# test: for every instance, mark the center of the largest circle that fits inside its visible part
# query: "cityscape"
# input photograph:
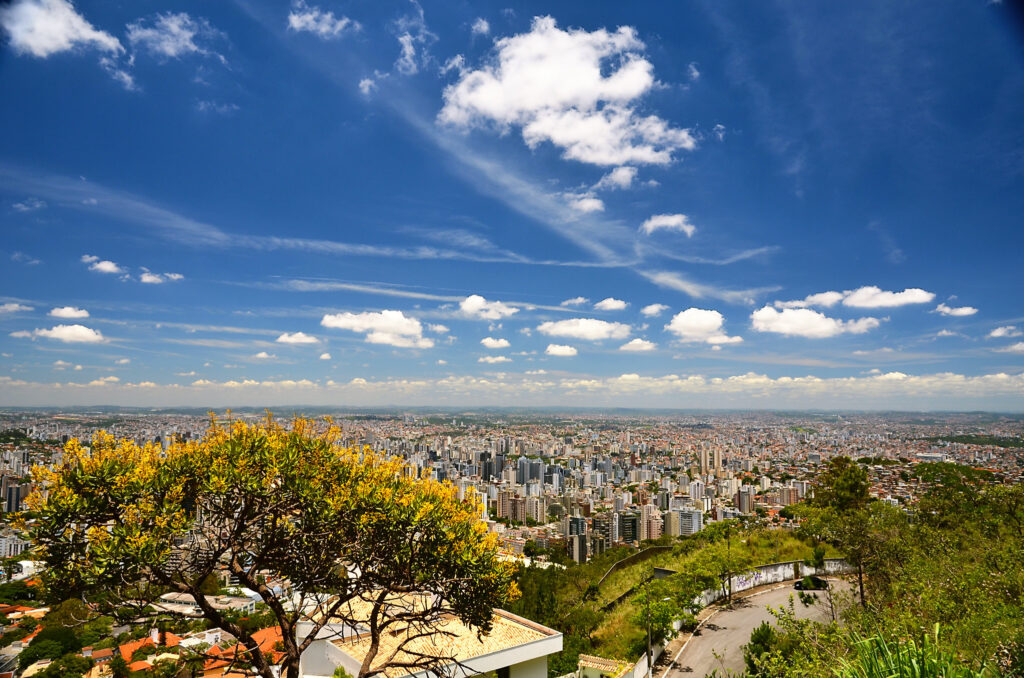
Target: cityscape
(428, 339)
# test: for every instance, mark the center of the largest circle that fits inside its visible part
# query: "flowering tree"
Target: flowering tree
(357, 535)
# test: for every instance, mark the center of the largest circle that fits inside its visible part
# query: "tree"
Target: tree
(363, 540)
(843, 486)
(118, 666)
(655, 612)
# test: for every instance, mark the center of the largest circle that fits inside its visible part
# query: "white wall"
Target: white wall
(533, 668)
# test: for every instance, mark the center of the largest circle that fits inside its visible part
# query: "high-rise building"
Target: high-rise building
(690, 522)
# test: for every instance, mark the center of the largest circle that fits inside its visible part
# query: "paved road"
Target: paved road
(721, 640)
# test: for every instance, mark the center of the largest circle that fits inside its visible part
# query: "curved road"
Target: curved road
(722, 637)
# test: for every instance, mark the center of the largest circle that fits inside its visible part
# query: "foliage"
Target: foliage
(67, 666)
(47, 649)
(118, 666)
(988, 440)
(876, 657)
(16, 592)
(957, 559)
(288, 502)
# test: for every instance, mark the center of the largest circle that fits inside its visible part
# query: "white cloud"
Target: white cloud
(60, 364)
(101, 266)
(69, 312)
(803, 322)
(561, 350)
(438, 329)
(171, 35)
(492, 359)
(263, 355)
(869, 296)
(719, 132)
(297, 338)
(318, 22)
(947, 333)
(442, 361)
(393, 328)
(698, 324)
(150, 278)
(217, 107)
(45, 27)
(873, 297)
(619, 178)
(480, 27)
(1005, 331)
(638, 345)
(12, 307)
(824, 299)
(29, 204)
(611, 304)
(69, 334)
(575, 301)
(325, 356)
(1012, 348)
(491, 342)
(123, 361)
(957, 311)
(413, 35)
(456, 63)
(653, 310)
(669, 222)
(367, 85)
(476, 306)
(575, 89)
(585, 202)
(23, 258)
(589, 329)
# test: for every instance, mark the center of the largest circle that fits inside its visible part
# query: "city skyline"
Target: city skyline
(324, 203)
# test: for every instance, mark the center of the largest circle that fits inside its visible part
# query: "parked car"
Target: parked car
(811, 583)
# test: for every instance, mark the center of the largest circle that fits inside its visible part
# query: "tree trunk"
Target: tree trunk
(860, 581)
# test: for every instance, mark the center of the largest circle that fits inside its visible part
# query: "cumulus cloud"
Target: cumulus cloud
(491, 342)
(868, 296)
(12, 307)
(669, 222)
(693, 71)
(171, 35)
(619, 178)
(438, 329)
(700, 325)
(69, 334)
(480, 27)
(1013, 348)
(322, 24)
(958, 311)
(575, 301)
(611, 304)
(297, 338)
(803, 322)
(151, 278)
(1005, 331)
(263, 355)
(325, 356)
(638, 345)
(575, 89)
(873, 297)
(101, 265)
(69, 312)
(123, 361)
(584, 202)
(476, 306)
(393, 328)
(561, 350)
(589, 329)
(653, 310)
(46, 27)
(492, 359)
(822, 299)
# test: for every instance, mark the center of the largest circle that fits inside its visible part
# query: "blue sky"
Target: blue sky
(781, 205)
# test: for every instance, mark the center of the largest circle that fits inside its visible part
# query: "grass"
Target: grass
(877, 657)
